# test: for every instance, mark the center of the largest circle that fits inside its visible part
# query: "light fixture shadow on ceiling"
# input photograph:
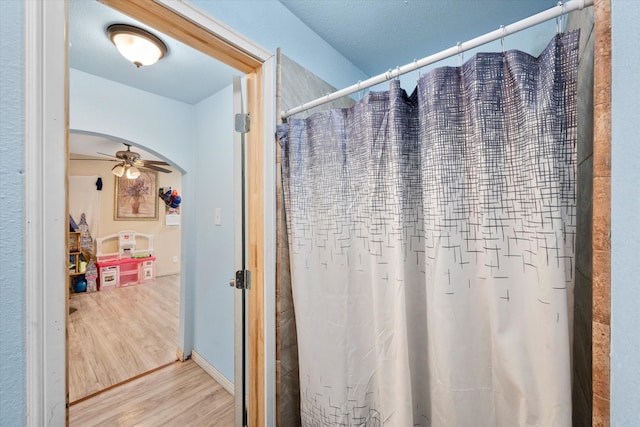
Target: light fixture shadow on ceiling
(137, 45)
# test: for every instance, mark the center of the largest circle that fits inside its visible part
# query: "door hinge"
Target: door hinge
(242, 280)
(243, 122)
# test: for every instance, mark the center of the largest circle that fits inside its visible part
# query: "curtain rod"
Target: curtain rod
(500, 33)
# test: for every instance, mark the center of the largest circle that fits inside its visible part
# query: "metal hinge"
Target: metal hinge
(243, 122)
(242, 280)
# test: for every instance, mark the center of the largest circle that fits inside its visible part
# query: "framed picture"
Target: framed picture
(137, 199)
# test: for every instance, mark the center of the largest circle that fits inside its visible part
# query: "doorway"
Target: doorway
(176, 115)
(45, 396)
(123, 307)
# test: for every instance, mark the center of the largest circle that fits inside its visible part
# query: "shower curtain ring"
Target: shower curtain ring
(415, 67)
(561, 5)
(460, 54)
(502, 38)
(398, 75)
(359, 90)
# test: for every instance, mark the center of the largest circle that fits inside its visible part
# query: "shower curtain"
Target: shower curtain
(432, 247)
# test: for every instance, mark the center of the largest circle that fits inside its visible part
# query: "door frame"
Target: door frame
(46, 163)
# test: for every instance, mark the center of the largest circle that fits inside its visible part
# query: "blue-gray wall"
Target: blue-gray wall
(271, 25)
(214, 244)
(12, 339)
(625, 213)
(162, 125)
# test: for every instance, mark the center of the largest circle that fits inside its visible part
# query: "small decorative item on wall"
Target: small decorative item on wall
(171, 199)
(136, 198)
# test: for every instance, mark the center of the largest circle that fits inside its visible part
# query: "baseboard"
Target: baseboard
(167, 273)
(213, 372)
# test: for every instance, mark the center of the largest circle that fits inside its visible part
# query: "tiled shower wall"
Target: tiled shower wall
(297, 85)
(582, 342)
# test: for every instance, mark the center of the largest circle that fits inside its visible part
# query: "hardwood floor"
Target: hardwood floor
(181, 394)
(117, 334)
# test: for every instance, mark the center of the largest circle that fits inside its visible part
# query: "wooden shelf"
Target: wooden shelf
(74, 257)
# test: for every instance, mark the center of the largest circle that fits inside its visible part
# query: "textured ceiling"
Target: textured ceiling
(376, 35)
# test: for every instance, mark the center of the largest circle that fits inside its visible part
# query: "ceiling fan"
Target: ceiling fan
(131, 161)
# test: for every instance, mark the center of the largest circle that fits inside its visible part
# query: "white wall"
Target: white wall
(625, 208)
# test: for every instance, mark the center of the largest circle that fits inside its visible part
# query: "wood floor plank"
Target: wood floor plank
(181, 394)
(119, 333)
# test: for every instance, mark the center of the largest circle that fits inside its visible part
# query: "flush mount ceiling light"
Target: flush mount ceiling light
(137, 45)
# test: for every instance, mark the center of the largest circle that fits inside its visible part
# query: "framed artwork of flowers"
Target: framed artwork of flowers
(137, 199)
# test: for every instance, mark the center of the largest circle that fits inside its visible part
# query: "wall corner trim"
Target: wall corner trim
(45, 127)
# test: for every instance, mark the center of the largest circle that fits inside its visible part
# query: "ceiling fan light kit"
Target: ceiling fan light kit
(132, 172)
(131, 162)
(137, 45)
(118, 170)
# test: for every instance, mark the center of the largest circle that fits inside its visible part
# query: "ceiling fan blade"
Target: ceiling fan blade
(100, 160)
(155, 162)
(108, 155)
(155, 168)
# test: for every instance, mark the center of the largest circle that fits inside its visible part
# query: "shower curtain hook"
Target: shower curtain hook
(398, 75)
(415, 67)
(359, 91)
(561, 5)
(460, 54)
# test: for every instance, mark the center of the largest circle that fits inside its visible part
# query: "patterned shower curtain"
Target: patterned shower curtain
(432, 247)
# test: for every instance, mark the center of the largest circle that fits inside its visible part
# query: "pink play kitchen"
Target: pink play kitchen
(133, 262)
